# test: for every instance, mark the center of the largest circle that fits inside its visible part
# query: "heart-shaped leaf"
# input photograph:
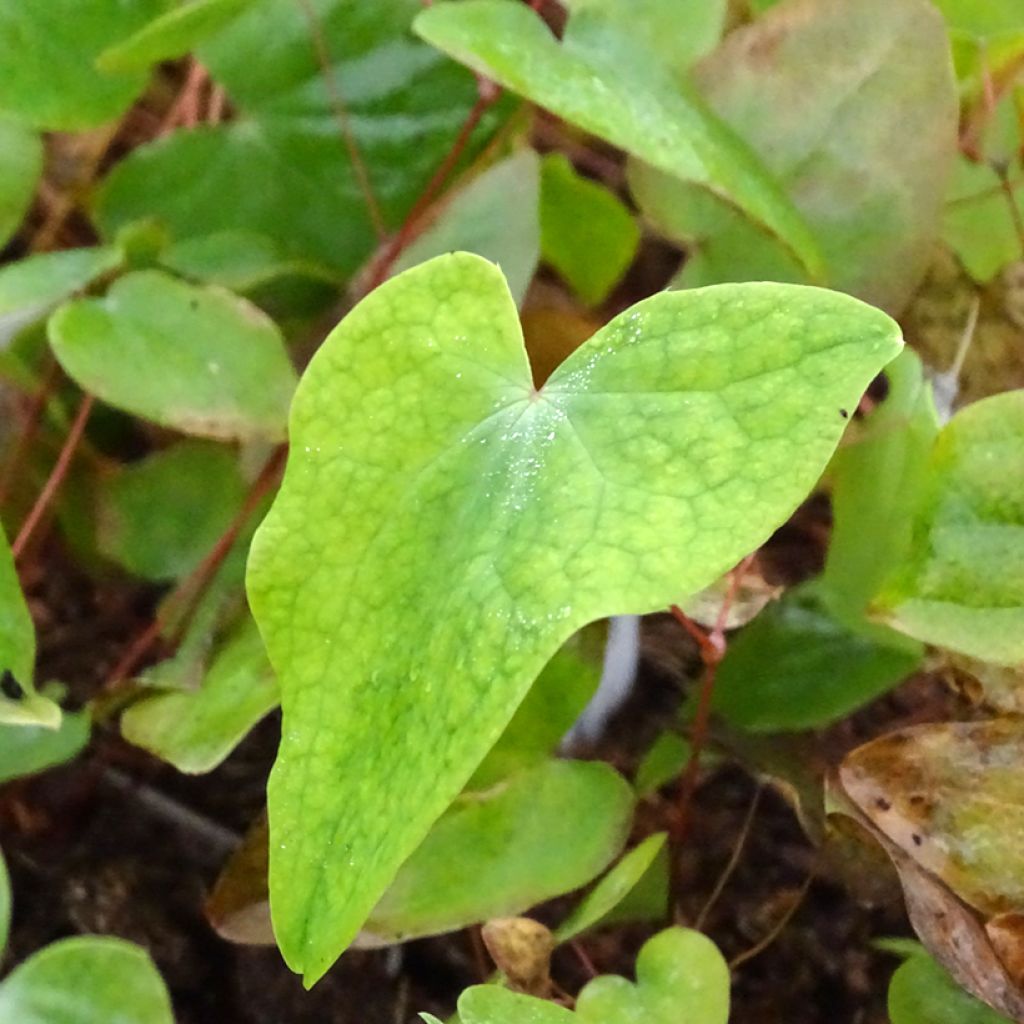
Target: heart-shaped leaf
(19, 702)
(492, 1004)
(86, 980)
(600, 80)
(427, 472)
(961, 584)
(200, 360)
(681, 976)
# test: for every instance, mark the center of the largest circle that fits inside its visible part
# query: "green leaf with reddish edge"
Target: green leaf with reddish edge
(600, 80)
(22, 705)
(612, 889)
(823, 90)
(160, 516)
(86, 980)
(196, 730)
(496, 216)
(48, 76)
(443, 528)
(199, 360)
(30, 288)
(171, 35)
(21, 163)
(962, 582)
(537, 835)
(405, 103)
(587, 233)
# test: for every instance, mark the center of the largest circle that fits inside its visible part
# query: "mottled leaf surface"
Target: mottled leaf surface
(86, 980)
(602, 81)
(962, 582)
(824, 91)
(427, 472)
(200, 360)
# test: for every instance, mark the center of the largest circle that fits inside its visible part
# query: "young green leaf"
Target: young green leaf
(30, 288)
(19, 702)
(48, 76)
(159, 516)
(612, 889)
(662, 763)
(602, 81)
(434, 544)
(25, 750)
(170, 35)
(537, 835)
(492, 1004)
(680, 974)
(200, 360)
(405, 106)
(960, 585)
(86, 980)
(496, 216)
(587, 234)
(799, 665)
(842, 82)
(21, 162)
(196, 730)
(922, 992)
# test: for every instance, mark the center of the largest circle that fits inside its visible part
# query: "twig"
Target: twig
(777, 930)
(734, 859)
(712, 647)
(185, 109)
(488, 95)
(1006, 187)
(56, 477)
(344, 121)
(33, 417)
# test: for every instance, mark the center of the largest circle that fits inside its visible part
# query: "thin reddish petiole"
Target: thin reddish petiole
(33, 417)
(56, 477)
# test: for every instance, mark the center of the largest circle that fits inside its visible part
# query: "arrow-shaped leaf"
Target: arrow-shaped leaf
(443, 527)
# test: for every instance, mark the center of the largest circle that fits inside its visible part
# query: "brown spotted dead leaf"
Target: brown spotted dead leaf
(947, 803)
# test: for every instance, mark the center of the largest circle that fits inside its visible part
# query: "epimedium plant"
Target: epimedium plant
(458, 488)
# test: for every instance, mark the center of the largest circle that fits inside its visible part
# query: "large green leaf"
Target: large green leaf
(160, 516)
(200, 360)
(48, 76)
(602, 81)
(86, 980)
(828, 114)
(962, 584)
(21, 162)
(196, 730)
(515, 516)
(541, 833)
(30, 288)
(19, 702)
(405, 107)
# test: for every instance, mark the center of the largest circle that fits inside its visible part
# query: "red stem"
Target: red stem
(56, 477)
(33, 417)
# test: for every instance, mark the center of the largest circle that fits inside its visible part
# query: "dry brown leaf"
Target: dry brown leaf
(521, 948)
